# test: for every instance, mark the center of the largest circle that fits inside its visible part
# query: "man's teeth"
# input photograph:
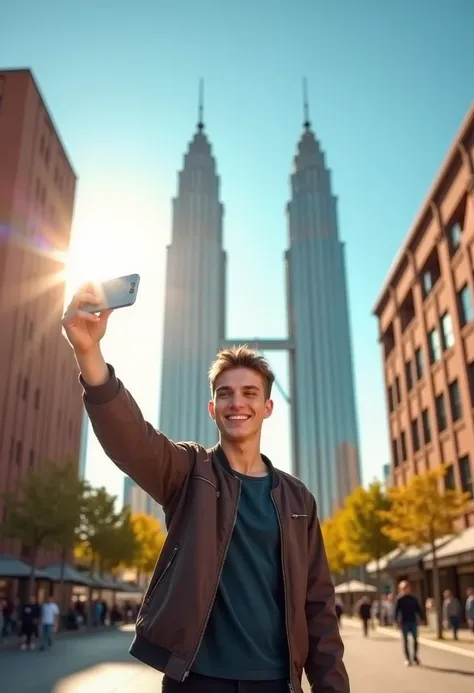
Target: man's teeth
(237, 418)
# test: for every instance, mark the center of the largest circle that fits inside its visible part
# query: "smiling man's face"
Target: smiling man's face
(239, 405)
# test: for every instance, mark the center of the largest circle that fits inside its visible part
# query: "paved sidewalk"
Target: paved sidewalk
(12, 642)
(464, 646)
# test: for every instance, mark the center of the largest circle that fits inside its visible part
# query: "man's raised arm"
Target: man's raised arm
(159, 466)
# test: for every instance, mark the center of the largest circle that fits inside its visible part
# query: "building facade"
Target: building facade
(324, 427)
(140, 502)
(195, 297)
(426, 327)
(325, 435)
(40, 397)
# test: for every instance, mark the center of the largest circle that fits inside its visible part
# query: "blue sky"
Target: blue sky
(389, 84)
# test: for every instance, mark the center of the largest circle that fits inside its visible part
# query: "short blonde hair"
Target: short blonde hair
(241, 357)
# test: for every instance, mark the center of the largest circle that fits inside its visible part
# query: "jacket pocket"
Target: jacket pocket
(208, 481)
(168, 565)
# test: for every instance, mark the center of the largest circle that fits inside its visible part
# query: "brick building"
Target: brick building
(40, 403)
(426, 327)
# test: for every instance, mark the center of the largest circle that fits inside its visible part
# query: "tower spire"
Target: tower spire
(307, 122)
(201, 106)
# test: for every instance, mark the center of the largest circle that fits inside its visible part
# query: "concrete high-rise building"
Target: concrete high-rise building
(40, 397)
(325, 437)
(140, 502)
(324, 428)
(425, 313)
(195, 296)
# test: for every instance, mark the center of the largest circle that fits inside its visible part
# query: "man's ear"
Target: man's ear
(211, 409)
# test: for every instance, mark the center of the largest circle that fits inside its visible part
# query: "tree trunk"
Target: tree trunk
(437, 594)
(379, 582)
(62, 592)
(31, 580)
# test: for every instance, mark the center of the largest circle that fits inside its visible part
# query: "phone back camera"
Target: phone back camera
(131, 291)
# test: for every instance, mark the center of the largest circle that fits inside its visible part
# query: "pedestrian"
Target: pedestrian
(407, 617)
(242, 597)
(452, 613)
(29, 620)
(470, 608)
(339, 611)
(49, 621)
(365, 614)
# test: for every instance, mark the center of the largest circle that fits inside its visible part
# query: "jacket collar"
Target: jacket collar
(222, 457)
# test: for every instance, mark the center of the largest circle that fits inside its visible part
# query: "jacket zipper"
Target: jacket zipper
(165, 570)
(203, 478)
(294, 516)
(221, 567)
(285, 591)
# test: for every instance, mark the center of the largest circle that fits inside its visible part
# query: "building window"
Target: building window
(425, 419)
(466, 475)
(434, 346)
(31, 460)
(24, 393)
(407, 311)
(390, 398)
(409, 375)
(441, 413)
(415, 435)
(37, 398)
(447, 331)
(19, 451)
(454, 237)
(397, 390)
(388, 341)
(455, 401)
(396, 461)
(419, 363)
(449, 480)
(403, 442)
(430, 273)
(465, 305)
(470, 376)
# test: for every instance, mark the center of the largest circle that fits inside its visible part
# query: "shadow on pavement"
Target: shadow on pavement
(445, 670)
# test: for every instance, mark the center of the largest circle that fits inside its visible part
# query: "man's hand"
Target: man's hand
(84, 332)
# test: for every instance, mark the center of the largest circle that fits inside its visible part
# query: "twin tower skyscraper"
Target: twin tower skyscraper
(325, 447)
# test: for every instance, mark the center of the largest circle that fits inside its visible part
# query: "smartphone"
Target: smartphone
(115, 293)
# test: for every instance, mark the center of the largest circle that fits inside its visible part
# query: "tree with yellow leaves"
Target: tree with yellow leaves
(332, 529)
(364, 539)
(422, 513)
(150, 539)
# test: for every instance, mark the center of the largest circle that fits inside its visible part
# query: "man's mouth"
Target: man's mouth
(238, 417)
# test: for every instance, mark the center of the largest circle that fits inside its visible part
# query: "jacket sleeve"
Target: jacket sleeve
(154, 462)
(324, 666)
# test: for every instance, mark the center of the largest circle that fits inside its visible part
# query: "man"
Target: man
(29, 619)
(365, 615)
(241, 598)
(49, 620)
(407, 617)
(452, 613)
(470, 608)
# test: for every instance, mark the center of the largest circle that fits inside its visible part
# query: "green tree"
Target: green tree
(333, 532)
(45, 511)
(150, 538)
(421, 514)
(363, 533)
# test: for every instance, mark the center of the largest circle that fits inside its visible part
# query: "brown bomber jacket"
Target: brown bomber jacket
(200, 496)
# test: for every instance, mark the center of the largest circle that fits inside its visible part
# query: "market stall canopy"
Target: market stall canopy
(11, 567)
(458, 550)
(70, 574)
(354, 587)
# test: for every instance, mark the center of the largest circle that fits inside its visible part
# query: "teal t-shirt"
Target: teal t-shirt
(246, 635)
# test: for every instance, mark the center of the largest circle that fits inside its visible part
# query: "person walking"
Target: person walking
(29, 619)
(407, 617)
(452, 613)
(49, 622)
(470, 608)
(241, 598)
(365, 615)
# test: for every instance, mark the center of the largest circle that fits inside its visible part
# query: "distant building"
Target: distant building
(40, 397)
(387, 475)
(425, 313)
(140, 502)
(83, 445)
